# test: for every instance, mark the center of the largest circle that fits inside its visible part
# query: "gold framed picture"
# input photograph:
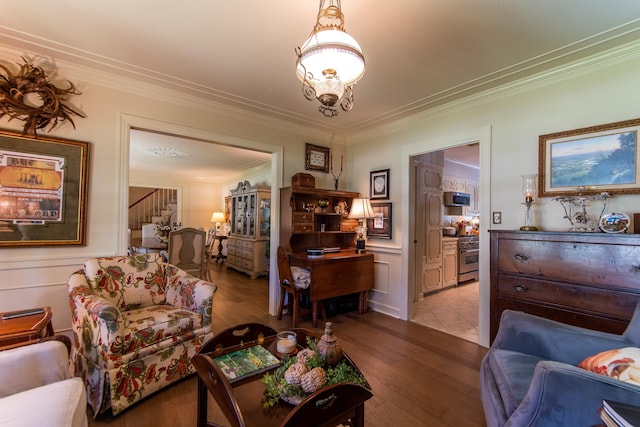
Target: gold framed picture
(317, 158)
(590, 160)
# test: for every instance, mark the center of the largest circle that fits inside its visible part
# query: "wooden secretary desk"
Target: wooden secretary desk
(315, 218)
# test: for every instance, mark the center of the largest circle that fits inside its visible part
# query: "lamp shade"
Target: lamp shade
(360, 209)
(218, 217)
(330, 62)
(331, 50)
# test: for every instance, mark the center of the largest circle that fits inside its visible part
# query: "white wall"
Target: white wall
(32, 277)
(584, 94)
(507, 121)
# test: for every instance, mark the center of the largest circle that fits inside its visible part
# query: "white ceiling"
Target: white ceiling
(419, 53)
(195, 160)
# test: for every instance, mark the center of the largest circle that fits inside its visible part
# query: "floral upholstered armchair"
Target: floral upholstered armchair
(137, 323)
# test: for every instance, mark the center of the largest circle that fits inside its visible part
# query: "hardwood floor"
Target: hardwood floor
(419, 376)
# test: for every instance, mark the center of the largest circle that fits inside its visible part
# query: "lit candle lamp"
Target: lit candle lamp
(528, 189)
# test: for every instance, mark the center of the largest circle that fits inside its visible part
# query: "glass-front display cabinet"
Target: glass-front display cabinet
(250, 227)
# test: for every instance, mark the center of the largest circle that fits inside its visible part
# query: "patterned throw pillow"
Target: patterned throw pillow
(622, 364)
(301, 277)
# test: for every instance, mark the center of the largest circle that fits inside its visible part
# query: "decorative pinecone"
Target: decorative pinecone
(313, 380)
(305, 354)
(294, 373)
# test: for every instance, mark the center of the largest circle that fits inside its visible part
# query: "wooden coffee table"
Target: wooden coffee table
(24, 325)
(241, 402)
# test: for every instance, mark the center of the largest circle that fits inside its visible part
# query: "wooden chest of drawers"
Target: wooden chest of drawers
(590, 280)
(247, 256)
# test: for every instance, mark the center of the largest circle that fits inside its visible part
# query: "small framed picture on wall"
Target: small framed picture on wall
(317, 158)
(379, 185)
(379, 227)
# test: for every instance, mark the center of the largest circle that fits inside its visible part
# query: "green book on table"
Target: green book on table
(245, 363)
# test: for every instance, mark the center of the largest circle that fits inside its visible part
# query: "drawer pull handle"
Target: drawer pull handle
(521, 288)
(521, 257)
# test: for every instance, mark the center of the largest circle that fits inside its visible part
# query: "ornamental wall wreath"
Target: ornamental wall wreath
(29, 96)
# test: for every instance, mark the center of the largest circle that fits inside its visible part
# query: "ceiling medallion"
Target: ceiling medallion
(165, 152)
(330, 62)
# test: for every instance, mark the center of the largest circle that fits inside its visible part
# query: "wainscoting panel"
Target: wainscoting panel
(386, 296)
(381, 273)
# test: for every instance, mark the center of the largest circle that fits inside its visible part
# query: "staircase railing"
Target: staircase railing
(154, 204)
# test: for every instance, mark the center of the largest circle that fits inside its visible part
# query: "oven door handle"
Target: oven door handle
(466, 251)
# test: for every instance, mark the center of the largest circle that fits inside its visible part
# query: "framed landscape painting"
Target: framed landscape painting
(590, 160)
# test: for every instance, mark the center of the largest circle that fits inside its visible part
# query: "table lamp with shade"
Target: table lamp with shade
(218, 218)
(361, 209)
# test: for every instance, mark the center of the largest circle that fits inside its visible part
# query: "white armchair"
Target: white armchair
(37, 389)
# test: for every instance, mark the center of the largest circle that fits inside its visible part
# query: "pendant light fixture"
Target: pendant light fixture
(330, 61)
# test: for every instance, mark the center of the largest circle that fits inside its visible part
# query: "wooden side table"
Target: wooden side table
(25, 325)
(220, 256)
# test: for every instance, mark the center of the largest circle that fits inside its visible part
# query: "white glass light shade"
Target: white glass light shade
(361, 209)
(331, 50)
(218, 217)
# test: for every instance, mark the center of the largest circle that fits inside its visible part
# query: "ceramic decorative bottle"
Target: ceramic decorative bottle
(328, 346)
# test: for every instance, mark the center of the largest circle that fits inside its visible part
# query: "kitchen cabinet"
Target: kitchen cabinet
(431, 228)
(463, 185)
(449, 262)
(250, 224)
(591, 280)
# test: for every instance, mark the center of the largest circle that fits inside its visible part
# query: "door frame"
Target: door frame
(128, 122)
(483, 137)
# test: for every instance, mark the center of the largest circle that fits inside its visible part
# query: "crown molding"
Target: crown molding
(597, 62)
(84, 72)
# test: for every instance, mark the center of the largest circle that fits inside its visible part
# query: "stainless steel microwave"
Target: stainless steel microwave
(453, 198)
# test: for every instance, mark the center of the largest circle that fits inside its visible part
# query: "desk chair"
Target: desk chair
(187, 248)
(288, 286)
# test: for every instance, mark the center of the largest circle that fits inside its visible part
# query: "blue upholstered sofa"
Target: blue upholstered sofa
(530, 375)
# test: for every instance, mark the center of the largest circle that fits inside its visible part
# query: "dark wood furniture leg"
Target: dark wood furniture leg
(314, 314)
(202, 404)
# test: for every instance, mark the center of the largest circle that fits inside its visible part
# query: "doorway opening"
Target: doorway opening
(445, 240)
(198, 190)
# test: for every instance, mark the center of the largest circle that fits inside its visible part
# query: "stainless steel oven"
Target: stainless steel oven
(468, 258)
